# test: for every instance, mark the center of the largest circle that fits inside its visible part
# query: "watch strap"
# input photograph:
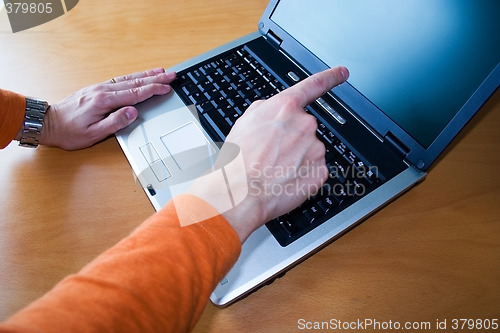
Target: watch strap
(33, 122)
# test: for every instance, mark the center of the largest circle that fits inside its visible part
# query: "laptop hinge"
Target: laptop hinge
(273, 39)
(396, 145)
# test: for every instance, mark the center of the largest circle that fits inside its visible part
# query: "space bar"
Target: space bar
(221, 126)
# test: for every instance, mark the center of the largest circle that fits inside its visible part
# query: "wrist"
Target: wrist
(232, 198)
(45, 136)
(245, 217)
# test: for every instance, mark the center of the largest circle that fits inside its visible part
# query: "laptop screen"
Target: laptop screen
(417, 60)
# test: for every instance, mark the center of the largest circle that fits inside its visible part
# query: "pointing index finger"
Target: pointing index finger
(317, 85)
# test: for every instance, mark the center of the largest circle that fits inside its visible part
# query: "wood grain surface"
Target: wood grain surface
(431, 255)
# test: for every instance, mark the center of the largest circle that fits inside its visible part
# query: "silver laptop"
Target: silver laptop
(420, 70)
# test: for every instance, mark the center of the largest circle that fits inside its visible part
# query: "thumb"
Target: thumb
(115, 121)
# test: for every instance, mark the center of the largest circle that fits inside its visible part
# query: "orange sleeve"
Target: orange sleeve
(12, 107)
(158, 279)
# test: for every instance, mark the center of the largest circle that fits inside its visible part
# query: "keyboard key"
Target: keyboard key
(321, 128)
(240, 67)
(238, 82)
(227, 92)
(231, 59)
(288, 227)
(205, 107)
(341, 168)
(207, 69)
(341, 147)
(246, 91)
(231, 75)
(213, 94)
(331, 136)
(225, 108)
(293, 222)
(331, 154)
(232, 117)
(190, 88)
(197, 98)
(326, 203)
(312, 212)
(265, 91)
(238, 101)
(205, 85)
(196, 76)
(219, 123)
(221, 84)
(252, 98)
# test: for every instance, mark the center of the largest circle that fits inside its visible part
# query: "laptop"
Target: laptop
(419, 71)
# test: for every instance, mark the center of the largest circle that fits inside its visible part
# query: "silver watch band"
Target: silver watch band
(33, 122)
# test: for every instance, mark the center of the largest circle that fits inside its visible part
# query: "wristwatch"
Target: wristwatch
(33, 122)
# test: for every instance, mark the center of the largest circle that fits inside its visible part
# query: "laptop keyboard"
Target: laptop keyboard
(223, 88)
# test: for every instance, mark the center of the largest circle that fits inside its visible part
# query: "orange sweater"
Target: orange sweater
(11, 116)
(158, 279)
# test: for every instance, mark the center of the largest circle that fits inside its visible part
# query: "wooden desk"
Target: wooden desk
(433, 254)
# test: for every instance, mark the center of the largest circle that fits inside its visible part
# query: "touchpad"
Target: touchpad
(188, 146)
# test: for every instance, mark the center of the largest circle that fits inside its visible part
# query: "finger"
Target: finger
(115, 121)
(138, 75)
(162, 78)
(316, 85)
(132, 96)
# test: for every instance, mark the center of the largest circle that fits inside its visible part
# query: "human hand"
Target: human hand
(284, 161)
(97, 111)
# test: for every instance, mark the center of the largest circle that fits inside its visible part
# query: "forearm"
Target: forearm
(156, 280)
(12, 109)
